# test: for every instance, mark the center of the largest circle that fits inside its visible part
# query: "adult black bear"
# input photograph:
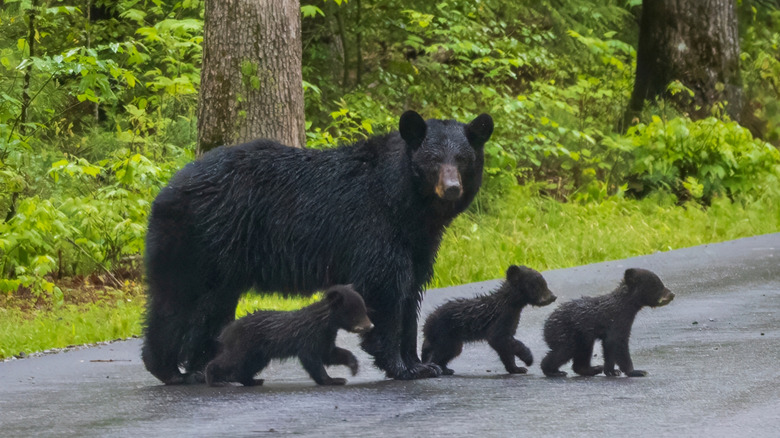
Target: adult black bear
(276, 218)
(493, 318)
(248, 344)
(571, 329)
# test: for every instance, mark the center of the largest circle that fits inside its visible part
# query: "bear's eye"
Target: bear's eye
(462, 159)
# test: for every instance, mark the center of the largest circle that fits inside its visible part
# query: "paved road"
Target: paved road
(712, 355)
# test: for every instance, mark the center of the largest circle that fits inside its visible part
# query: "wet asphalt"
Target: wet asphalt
(712, 357)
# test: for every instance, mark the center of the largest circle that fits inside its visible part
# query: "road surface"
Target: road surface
(712, 355)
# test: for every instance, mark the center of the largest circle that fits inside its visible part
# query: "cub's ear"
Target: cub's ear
(513, 274)
(630, 276)
(479, 130)
(334, 297)
(412, 128)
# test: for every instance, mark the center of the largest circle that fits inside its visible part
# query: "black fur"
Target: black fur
(248, 344)
(572, 329)
(492, 318)
(275, 218)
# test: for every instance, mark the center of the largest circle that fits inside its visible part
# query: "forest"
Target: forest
(99, 108)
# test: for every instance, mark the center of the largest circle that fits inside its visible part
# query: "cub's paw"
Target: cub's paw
(353, 365)
(419, 371)
(517, 370)
(335, 381)
(526, 357)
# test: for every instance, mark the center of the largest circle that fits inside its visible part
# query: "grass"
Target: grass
(25, 331)
(32, 330)
(523, 228)
(519, 228)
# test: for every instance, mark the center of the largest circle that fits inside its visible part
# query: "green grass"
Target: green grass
(250, 303)
(520, 228)
(75, 325)
(544, 234)
(68, 325)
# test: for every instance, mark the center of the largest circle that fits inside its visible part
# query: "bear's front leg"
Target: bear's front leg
(624, 362)
(414, 366)
(385, 341)
(505, 347)
(316, 369)
(384, 344)
(341, 356)
(522, 352)
(616, 352)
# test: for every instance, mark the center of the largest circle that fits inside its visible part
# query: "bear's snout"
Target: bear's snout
(549, 298)
(364, 326)
(666, 298)
(449, 186)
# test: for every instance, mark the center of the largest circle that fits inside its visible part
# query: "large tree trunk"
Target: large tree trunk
(251, 80)
(695, 42)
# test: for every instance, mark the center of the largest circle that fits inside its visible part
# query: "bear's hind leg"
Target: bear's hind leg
(554, 359)
(162, 341)
(212, 313)
(249, 369)
(581, 360)
(444, 351)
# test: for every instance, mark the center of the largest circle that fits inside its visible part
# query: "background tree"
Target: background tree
(694, 42)
(251, 80)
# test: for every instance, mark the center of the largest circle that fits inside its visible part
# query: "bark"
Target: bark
(26, 100)
(343, 39)
(695, 42)
(358, 48)
(251, 79)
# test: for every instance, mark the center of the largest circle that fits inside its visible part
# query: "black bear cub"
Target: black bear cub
(492, 318)
(249, 343)
(571, 330)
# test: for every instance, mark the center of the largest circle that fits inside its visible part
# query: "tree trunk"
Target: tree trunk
(251, 79)
(26, 100)
(695, 42)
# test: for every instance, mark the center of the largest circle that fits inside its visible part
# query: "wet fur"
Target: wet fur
(248, 344)
(493, 318)
(572, 329)
(265, 216)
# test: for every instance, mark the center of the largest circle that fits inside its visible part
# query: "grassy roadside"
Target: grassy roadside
(521, 228)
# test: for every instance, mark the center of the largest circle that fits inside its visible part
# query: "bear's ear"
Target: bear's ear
(630, 276)
(412, 128)
(479, 130)
(513, 274)
(334, 297)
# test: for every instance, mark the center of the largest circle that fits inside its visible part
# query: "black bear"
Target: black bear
(572, 329)
(492, 318)
(274, 218)
(249, 343)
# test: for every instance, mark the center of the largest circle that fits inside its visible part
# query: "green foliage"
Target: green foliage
(699, 160)
(97, 112)
(760, 62)
(93, 121)
(73, 234)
